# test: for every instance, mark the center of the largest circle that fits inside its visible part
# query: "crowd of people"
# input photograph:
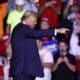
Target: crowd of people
(21, 49)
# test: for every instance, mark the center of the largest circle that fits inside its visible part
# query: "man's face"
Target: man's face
(63, 47)
(31, 21)
(19, 7)
(44, 25)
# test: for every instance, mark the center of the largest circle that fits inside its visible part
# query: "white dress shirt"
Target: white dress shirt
(74, 47)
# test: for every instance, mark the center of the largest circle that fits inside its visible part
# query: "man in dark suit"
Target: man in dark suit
(25, 62)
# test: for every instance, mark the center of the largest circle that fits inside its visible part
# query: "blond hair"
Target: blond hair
(28, 14)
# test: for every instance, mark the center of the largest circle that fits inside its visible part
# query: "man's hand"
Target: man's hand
(60, 60)
(62, 30)
(56, 65)
(66, 59)
(69, 65)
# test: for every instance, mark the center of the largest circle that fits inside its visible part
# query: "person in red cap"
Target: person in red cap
(50, 9)
(44, 25)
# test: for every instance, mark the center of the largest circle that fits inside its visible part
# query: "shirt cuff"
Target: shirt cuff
(55, 33)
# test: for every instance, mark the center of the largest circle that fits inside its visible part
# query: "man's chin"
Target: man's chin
(62, 51)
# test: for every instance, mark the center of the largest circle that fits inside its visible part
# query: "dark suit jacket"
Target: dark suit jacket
(25, 57)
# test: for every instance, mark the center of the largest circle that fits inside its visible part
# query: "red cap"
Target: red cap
(44, 19)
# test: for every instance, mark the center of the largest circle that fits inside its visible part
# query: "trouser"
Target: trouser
(23, 77)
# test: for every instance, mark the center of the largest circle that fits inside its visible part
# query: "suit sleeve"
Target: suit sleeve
(38, 33)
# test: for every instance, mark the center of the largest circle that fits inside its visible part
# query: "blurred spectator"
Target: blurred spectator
(50, 9)
(65, 23)
(69, 15)
(6, 56)
(44, 25)
(3, 12)
(76, 22)
(14, 16)
(30, 5)
(64, 63)
(6, 67)
(75, 43)
(11, 5)
(64, 2)
(3, 46)
(71, 9)
(2, 50)
(47, 61)
(1, 68)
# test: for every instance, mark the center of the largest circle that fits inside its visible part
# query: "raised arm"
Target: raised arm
(38, 33)
(42, 33)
